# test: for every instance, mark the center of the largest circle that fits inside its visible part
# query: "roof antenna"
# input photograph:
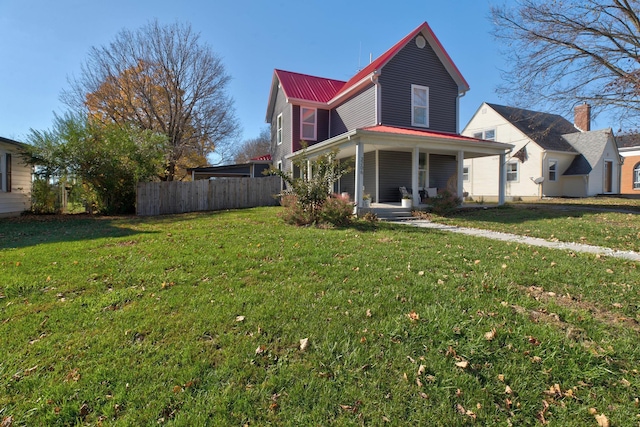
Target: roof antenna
(359, 55)
(370, 57)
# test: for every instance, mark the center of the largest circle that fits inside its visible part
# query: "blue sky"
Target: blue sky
(43, 42)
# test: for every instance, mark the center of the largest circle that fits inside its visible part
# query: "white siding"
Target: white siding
(483, 180)
(18, 199)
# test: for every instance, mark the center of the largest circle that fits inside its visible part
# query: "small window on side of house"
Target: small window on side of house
(419, 106)
(490, 134)
(465, 173)
(477, 135)
(636, 177)
(279, 129)
(308, 123)
(513, 171)
(553, 170)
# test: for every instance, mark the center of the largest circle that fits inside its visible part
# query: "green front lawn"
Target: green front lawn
(198, 319)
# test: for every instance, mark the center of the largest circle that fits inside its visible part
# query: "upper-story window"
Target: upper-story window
(636, 177)
(553, 170)
(308, 123)
(419, 106)
(279, 129)
(488, 134)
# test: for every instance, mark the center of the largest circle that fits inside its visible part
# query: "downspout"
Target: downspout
(460, 95)
(374, 80)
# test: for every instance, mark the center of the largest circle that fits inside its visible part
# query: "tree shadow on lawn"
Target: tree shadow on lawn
(31, 230)
(520, 213)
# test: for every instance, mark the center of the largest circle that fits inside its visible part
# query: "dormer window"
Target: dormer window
(308, 123)
(419, 106)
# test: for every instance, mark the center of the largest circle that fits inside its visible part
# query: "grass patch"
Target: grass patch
(197, 320)
(567, 223)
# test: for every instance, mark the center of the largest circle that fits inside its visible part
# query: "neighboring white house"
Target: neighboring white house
(15, 179)
(551, 156)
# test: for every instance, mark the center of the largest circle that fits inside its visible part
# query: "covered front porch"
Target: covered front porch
(388, 160)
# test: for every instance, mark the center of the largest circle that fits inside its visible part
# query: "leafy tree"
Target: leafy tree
(108, 159)
(564, 52)
(162, 79)
(307, 194)
(254, 147)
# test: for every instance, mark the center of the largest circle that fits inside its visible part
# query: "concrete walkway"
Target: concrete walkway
(533, 241)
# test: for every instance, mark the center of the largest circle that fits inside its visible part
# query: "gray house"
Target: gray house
(397, 118)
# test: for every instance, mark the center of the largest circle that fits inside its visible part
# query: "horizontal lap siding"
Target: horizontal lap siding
(421, 67)
(395, 172)
(19, 198)
(279, 151)
(370, 174)
(358, 112)
(441, 169)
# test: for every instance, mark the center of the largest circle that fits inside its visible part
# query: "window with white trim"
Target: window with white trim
(419, 106)
(636, 177)
(279, 129)
(488, 134)
(513, 171)
(553, 170)
(465, 173)
(308, 123)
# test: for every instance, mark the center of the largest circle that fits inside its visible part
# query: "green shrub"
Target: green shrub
(45, 197)
(336, 210)
(445, 203)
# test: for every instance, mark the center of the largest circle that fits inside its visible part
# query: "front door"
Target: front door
(608, 176)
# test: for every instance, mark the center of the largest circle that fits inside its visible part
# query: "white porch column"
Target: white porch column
(309, 170)
(359, 175)
(415, 165)
(502, 179)
(460, 189)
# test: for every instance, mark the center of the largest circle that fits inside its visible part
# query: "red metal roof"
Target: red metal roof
(308, 88)
(266, 157)
(405, 131)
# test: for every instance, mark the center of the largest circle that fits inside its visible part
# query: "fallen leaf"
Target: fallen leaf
(489, 336)
(424, 395)
(368, 312)
(239, 318)
(7, 421)
(418, 382)
(593, 411)
(177, 389)
(260, 349)
(507, 390)
(462, 364)
(304, 343)
(602, 420)
(413, 316)
(476, 262)
(421, 370)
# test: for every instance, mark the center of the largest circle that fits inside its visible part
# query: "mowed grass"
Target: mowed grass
(197, 320)
(607, 222)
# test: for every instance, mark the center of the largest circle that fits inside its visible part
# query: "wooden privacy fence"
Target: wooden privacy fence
(159, 198)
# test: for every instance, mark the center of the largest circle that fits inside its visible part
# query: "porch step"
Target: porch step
(393, 213)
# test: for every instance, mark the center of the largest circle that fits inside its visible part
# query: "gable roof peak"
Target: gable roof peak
(377, 64)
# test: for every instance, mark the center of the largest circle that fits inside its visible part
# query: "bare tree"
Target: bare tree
(564, 52)
(254, 147)
(160, 78)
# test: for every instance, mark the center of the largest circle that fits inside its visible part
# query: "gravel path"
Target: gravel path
(533, 241)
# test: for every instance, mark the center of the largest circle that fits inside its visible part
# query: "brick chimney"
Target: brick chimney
(582, 117)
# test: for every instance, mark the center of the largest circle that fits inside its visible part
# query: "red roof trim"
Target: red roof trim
(266, 157)
(415, 132)
(380, 62)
